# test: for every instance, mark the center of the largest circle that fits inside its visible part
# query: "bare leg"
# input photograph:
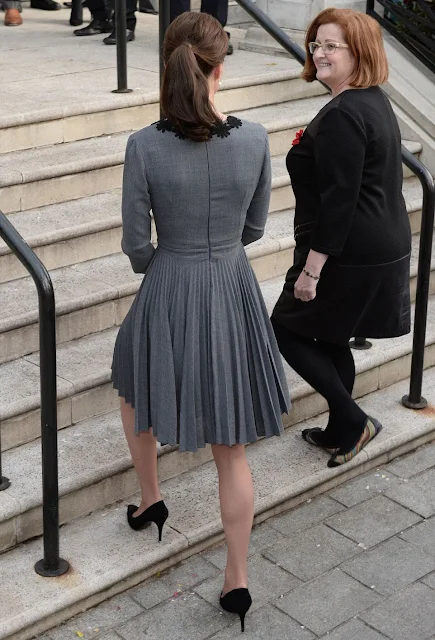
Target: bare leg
(143, 450)
(236, 493)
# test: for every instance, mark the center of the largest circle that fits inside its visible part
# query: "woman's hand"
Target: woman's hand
(305, 288)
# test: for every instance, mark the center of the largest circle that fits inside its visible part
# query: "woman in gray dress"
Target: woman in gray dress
(196, 360)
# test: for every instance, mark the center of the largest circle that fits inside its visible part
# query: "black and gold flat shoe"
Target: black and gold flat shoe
(371, 430)
(308, 436)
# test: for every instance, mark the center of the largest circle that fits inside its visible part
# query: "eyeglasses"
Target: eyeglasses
(327, 47)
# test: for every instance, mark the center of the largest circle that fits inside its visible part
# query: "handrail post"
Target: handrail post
(414, 400)
(121, 46)
(5, 483)
(164, 22)
(51, 564)
(76, 17)
(360, 344)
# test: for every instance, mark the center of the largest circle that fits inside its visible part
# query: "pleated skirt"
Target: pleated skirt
(196, 355)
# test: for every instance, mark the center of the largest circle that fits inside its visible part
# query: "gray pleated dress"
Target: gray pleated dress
(196, 355)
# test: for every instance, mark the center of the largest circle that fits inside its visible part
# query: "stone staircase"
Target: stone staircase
(60, 180)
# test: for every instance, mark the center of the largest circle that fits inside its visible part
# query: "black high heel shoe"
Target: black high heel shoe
(237, 601)
(157, 513)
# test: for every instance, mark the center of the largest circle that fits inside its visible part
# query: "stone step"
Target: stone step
(56, 173)
(83, 369)
(53, 174)
(95, 295)
(90, 227)
(107, 557)
(237, 15)
(250, 80)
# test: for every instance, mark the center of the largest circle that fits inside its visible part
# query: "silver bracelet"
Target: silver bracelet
(310, 275)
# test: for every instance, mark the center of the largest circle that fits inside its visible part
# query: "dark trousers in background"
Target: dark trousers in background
(102, 10)
(216, 8)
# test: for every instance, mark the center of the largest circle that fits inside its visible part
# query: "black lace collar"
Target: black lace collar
(221, 130)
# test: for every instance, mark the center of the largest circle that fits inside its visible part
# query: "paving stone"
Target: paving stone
(95, 622)
(407, 615)
(312, 512)
(184, 618)
(417, 494)
(430, 580)
(266, 582)
(422, 536)
(173, 582)
(327, 601)
(414, 463)
(390, 566)
(373, 521)
(262, 537)
(267, 622)
(353, 630)
(365, 487)
(315, 551)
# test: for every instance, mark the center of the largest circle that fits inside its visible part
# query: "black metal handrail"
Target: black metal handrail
(409, 28)
(76, 17)
(121, 46)
(51, 564)
(164, 21)
(414, 400)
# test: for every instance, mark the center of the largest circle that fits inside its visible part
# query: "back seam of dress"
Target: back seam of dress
(209, 346)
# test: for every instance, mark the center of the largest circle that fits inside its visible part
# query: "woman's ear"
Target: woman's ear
(218, 72)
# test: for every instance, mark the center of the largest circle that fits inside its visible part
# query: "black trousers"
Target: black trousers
(330, 370)
(217, 8)
(103, 10)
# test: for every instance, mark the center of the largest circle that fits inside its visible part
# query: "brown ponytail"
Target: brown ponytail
(194, 45)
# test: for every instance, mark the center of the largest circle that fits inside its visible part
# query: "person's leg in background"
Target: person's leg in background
(219, 10)
(100, 22)
(45, 5)
(146, 6)
(12, 13)
(177, 7)
(131, 21)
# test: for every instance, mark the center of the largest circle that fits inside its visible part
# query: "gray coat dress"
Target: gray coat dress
(196, 356)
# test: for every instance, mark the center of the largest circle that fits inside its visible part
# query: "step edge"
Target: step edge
(134, 100)
(106, 224)
(278, 501)
(76, 483)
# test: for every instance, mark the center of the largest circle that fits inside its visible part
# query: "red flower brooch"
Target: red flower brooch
(299, 135)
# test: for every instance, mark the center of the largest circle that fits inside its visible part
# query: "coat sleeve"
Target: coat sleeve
(136, 207)
(256, 216)
(339, 153)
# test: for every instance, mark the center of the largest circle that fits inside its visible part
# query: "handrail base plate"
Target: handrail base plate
(5, 483)
(41, 569)
(422, 404)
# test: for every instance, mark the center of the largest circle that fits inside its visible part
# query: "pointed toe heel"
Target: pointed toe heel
(157, 513)
(237, 601)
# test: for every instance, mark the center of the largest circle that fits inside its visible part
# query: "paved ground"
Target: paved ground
(357, 563)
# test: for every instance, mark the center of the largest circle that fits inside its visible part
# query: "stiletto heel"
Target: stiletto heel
(157, 513)
(237, 601)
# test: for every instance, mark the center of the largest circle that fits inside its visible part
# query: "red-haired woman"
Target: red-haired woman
(351, 269)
